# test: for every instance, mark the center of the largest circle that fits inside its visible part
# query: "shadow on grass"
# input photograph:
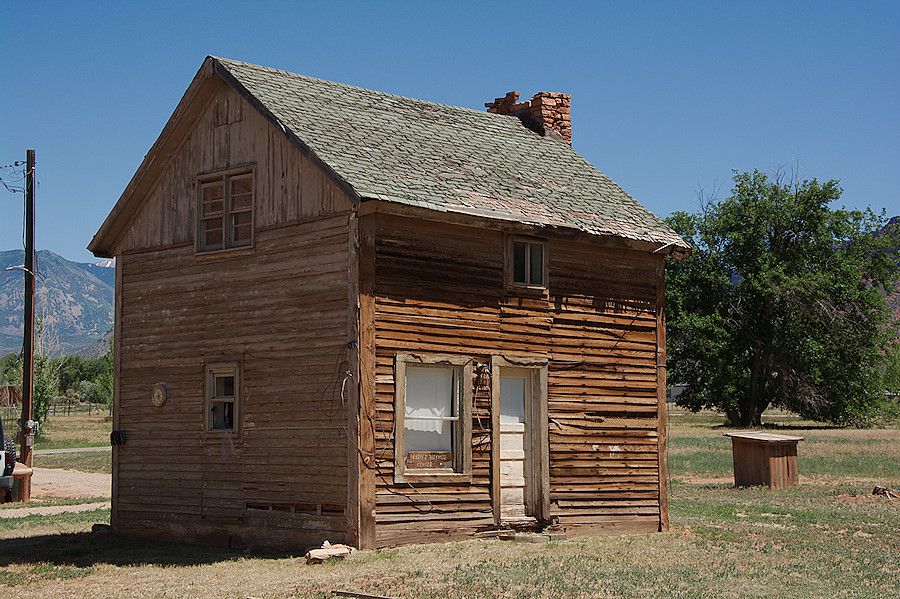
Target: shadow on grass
(782, 426)
(86, 549)
(808, 427)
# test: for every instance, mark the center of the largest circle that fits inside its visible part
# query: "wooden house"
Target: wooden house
(348, 315)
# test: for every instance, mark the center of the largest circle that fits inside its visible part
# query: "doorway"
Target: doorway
(520, 464)
(515, 467)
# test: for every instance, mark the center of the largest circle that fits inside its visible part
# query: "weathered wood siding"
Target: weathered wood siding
(230, 133)
(282, 312)
(440, 289)
(280, 309)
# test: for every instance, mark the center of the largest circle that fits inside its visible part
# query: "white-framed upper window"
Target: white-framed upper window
(433, 411)
(225, 214)
(223, 385)
(527, 262)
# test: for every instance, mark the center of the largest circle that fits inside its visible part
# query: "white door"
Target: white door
(515, 468)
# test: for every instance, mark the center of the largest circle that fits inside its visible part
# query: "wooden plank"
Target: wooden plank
(661, 370)
(365, 373)
(117, 389)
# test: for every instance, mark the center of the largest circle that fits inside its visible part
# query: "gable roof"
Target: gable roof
(379, 146)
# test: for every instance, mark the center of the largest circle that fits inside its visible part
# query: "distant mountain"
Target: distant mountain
(74, 301)
(98, 348)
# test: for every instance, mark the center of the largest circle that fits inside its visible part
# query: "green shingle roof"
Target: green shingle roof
(447, 158)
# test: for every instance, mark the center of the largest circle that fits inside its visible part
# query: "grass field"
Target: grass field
(828, 455)
(829, 538)
(59, 431)
(77, 429)
(89, 461)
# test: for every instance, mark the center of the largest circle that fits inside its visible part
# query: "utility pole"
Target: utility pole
(28, 343)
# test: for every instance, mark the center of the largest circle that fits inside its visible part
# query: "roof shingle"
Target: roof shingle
(448, 158)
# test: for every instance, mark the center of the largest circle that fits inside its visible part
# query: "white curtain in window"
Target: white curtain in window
(429, 398)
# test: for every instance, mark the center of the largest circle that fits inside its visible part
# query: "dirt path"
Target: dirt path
(55, 482)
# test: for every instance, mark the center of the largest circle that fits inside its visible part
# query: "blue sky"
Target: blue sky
(666, 97)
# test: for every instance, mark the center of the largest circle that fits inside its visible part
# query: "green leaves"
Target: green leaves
(782, 303)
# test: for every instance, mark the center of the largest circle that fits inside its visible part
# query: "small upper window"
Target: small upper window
(222, 392)
(226, 212)
(527, 262)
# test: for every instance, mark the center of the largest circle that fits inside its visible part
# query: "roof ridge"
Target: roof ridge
(310, 78)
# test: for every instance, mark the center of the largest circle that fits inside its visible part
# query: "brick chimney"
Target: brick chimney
(547, 113)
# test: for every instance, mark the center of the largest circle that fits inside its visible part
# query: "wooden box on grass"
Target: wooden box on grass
(764, 459)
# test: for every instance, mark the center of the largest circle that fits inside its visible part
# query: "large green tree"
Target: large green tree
(781, 303)
(105, 377)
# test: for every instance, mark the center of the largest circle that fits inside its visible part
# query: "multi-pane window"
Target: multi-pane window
(222, 391)
(433, 431)
(226, 212)
(527, 262)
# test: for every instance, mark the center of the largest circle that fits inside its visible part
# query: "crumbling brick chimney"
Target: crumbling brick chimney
(547, 113)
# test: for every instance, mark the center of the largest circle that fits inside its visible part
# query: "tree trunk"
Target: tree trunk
(734, 417)
(747, 415)
(749, 411)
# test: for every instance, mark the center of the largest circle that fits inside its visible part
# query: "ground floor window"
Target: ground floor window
(433, 407)
(222, 396)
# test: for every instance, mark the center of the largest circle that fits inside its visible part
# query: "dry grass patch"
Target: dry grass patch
(83, 461)
(725, 542)
(78, 429)
(821, 540)
(699, 452)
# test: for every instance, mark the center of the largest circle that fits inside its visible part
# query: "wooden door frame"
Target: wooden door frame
(538, 485)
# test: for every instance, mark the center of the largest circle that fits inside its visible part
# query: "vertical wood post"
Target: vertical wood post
(117, 384)
(28, 341)
(661, 393)
(367, 485)
(361, 407)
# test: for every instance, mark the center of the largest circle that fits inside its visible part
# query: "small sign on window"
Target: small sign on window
(429, 459)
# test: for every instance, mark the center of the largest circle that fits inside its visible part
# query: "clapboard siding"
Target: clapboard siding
(281, 310)
(227, 134)
(440, 289)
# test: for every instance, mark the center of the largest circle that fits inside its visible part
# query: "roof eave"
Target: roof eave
(104, 241)
(372, 205)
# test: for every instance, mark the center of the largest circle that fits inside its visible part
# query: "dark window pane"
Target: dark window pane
(241, 185)
(241, 228)
(241, 202)
(211, 234)
(224, 386)
(226, 212)
(212, 208)
(242, 235)
(519, 262)
(536, 263)
(213, 194)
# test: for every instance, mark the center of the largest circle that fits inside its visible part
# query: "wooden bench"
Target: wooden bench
(764, 459)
